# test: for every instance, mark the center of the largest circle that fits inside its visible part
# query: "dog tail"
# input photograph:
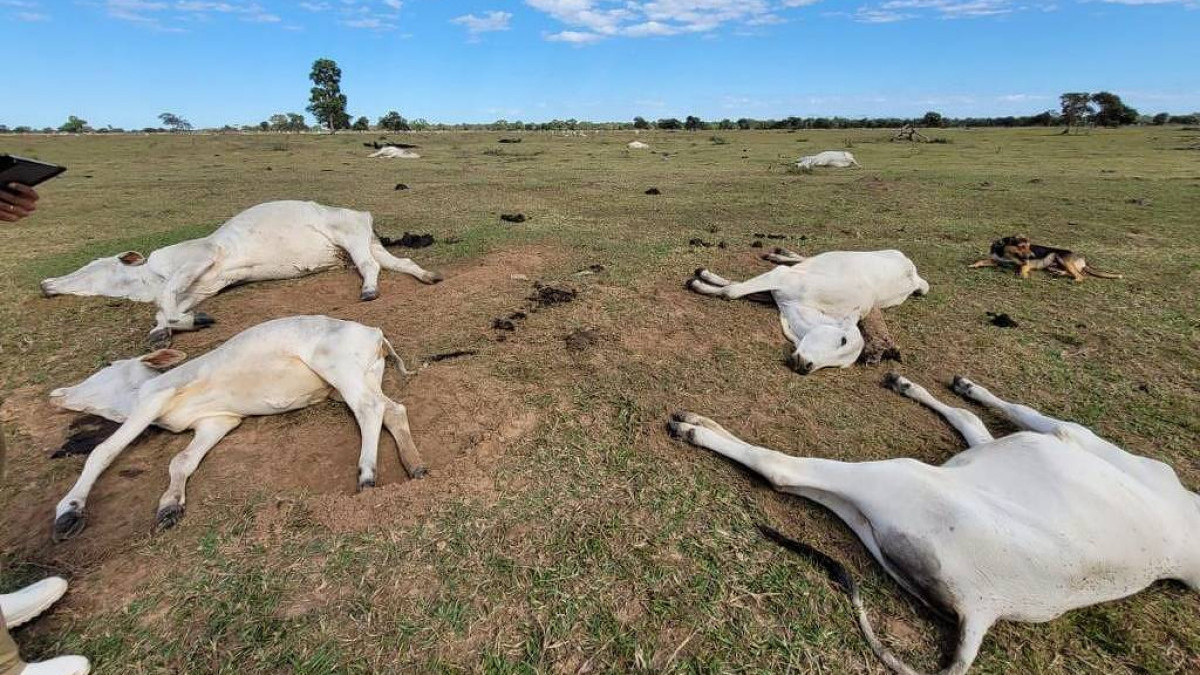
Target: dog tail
(1088, 269)
(838, 573)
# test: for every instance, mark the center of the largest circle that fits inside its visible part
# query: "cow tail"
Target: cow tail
(395, 358)
(841, 576)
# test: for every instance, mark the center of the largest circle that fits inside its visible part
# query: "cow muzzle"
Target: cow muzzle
(800, 364)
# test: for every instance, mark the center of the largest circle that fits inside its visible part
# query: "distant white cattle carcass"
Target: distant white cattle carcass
(390, 152)
(821, 299)
(637, 145)
(837, 159)
(274, 367)
(275, 240)
(1019, 528)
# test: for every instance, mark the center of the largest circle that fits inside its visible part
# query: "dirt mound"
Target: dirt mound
(456, 408)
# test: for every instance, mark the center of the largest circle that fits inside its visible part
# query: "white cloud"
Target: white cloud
(901, 10)
(593, 20)
(489, 22)
(32, 16)
(574, 37)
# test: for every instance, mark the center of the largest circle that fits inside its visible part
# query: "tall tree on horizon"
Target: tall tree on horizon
(1076, 108)
(175, 122)
(327, 103)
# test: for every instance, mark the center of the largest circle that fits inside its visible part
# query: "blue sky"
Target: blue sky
(122, 62)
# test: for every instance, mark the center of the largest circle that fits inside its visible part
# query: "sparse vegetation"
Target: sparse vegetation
(562, 531)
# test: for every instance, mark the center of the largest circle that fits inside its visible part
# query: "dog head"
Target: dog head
(1016, 247)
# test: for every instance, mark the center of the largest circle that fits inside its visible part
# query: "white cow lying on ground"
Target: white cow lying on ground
(390, 152)
(274, 367)
(275, 240)
(1020, 528)
(637, 145)
(837, 159)
(821, 299)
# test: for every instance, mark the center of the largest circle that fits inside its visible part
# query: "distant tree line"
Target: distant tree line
(328, 106)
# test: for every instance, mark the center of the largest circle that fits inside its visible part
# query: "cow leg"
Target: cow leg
(1021, 415)
(395, 418)
(175, 302)
(710, 278)
(971, 630)
(368, 267)
(781, 471)
(986, 262)
(766, 282)
(964, 421)
(402, 265)
(359, 388)
(69, 518)
(782, 256)
(209, 432)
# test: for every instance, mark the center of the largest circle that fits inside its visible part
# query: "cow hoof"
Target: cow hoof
(675, 427)
(159, 338)
(202, 320)
(368, 296)
(419, 473)
(366, 484)
(961, 385)
(699, 272)
(896, 383)
(434, 278)
(691, 284)
(69, 525)
(169, 516)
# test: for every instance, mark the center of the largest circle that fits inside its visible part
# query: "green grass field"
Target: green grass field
(561, 531)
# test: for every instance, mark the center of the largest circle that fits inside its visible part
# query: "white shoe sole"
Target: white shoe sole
(46, 592)
(63, 665)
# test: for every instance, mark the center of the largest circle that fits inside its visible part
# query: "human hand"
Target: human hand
(16, 202)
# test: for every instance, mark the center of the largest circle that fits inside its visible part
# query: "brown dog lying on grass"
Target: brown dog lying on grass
(1017, 251)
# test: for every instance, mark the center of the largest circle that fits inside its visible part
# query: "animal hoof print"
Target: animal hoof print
(169, 516)
(69, 525)
(961, 385)
(368, 296)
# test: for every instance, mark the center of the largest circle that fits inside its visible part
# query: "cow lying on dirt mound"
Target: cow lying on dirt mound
(1021, 528)
(274, 367)
(821, 299)
(275, 240)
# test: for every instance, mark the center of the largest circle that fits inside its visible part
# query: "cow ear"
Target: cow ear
(163, 359)
(132, 258)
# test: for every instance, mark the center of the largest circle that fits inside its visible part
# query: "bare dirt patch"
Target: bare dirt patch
(456, 409)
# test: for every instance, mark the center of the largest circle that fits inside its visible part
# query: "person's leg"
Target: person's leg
(10, 658)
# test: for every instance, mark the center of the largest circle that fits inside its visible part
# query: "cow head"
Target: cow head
(831, 346)
(119, 276)
(821, 340)
(112, 391)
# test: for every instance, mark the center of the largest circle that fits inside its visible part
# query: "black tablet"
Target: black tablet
(29, 172)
